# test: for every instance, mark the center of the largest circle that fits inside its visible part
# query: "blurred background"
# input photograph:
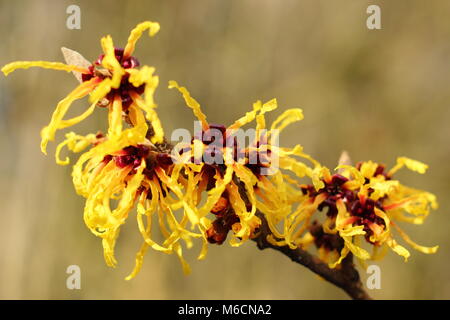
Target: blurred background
(378, 94)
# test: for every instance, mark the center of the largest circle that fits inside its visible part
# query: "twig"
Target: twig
(347, 277)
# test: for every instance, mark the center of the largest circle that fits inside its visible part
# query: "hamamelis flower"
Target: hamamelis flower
(113, 80)
(365, 202)
(124, 172)
(242, 179)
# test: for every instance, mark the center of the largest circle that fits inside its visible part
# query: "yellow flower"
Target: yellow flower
(113, 79)
(243, 180)
(124, 171)
(366, 202)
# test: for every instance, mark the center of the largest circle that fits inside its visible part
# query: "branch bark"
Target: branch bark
(347, 277)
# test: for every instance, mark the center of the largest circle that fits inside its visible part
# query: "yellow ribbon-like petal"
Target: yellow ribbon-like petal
(411, 164)
(191, 103)
(10, 67)
(136, 33)
(48, 132)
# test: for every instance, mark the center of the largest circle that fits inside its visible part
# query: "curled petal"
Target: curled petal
(411, 164)
(382, 188)
(136, 33)
(115, 118)
(356, 250)
(191, 103)
(358, 178)
(151, 116)
(318, 175)
(48, 132)
(344, 253)
(368, 169)
(398, 249)
(110, 62)
(286, 118)
(427, 250)
(75, 143)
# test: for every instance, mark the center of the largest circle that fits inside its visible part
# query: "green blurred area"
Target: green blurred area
(378, 94)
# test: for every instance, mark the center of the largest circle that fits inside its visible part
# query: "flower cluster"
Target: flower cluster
(187, 198)
(363, 202)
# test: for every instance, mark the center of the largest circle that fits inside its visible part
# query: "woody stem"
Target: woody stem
(347, 277)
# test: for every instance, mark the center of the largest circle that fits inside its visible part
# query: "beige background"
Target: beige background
(378, 94)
